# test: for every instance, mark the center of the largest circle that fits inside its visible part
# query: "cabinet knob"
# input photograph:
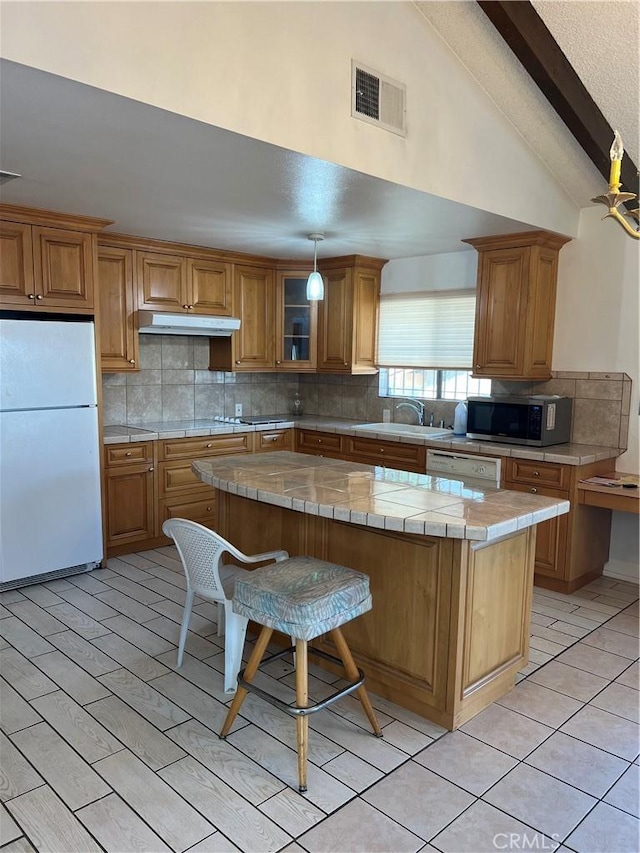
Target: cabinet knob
(534, 490)
(536, 473)
(319, 441)
(128, 453)
(278, 362)
(151, 469)
(209, 444)
(478, 366)
(132, 361)
(190, 307)
(382, 450)
(32, 296)
(237, 361)
(209, 509)
(345, 364)
(39, 296)
(185, 307)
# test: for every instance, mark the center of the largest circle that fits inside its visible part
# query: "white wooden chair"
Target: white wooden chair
(200, 551)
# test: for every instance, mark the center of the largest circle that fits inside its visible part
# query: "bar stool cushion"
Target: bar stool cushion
(302, 596)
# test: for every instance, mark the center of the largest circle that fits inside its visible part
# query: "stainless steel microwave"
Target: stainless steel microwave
(535, 421)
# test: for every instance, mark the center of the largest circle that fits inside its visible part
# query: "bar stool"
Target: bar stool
(303, 597)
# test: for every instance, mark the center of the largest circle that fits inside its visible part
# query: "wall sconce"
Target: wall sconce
(315, 282)
(613, 199)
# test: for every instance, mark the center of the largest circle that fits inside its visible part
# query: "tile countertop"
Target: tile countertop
(567, 454)
(378, 497)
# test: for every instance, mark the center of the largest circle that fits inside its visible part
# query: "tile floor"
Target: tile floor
(105, 746)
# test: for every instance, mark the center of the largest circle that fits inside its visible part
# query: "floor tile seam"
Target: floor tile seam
(121, 573)
(561, 839)
(146, 625)
(44, 609)
(226, 784)
(165, 782)
(579, 824)
(366, 731)
(612, 786)
(77, 753)
(459, 784)
(118, 696)
(83, 707)
(600, 649)
(128, 594)
(91, 642)
(32, 841)
(570, 784)
(114, 793)
(608, 710)
(508, 754)
(242, 755)
(141, 649)
(613, 754)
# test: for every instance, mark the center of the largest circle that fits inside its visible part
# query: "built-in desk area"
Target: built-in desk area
(612, 491)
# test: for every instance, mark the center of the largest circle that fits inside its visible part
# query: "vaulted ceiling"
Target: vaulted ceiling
(85, 149)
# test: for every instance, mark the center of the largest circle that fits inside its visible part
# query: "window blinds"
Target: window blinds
(429, 329)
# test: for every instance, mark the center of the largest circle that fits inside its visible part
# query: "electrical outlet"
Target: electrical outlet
(386, 416)
(238, 410)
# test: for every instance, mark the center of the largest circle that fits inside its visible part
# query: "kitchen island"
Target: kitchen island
(450, 563)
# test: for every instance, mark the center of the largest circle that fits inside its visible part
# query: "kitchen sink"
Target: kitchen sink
(406, 429)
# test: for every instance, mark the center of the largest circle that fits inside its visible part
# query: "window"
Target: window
(431, 384)
(425, 345)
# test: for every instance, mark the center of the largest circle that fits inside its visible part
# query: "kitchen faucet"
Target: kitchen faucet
(417, 407)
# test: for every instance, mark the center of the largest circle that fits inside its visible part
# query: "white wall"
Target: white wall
(281, 71)
(597, 324)
(597, 309)
(451, 271)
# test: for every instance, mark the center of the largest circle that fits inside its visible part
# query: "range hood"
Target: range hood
(157, 323)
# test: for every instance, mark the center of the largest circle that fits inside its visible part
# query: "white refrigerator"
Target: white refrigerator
(50, 507)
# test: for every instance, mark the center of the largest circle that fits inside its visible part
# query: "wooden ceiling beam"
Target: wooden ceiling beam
(526, 34)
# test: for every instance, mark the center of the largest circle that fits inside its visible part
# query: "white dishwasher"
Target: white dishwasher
(464, 466)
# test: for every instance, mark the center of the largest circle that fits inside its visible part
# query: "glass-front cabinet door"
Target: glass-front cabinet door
(296, 323)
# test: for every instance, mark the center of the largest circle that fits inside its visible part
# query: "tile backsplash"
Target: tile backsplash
(174, 383)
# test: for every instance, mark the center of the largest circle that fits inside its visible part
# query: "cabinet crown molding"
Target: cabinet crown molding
(545, 239)
(51, 218)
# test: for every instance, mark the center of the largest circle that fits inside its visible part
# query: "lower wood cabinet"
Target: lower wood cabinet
(320, 443)
(148, 482)
(391, 454)
(130, 494)
(571, 549)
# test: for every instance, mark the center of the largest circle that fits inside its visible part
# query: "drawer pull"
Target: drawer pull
(39, 296)
(132, 361)
(278, 362)
(536, 473)
(319, 441)
(32, 296)
(238, 361)
(128, 453)
(190, 307)
(209, 509)
(534, 490)
(185, 307)
(382, 450)
(151, 469)
(209, 444)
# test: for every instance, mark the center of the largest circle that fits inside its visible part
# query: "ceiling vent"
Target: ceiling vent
(377, 99)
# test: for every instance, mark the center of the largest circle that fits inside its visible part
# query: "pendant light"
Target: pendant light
(315, 282)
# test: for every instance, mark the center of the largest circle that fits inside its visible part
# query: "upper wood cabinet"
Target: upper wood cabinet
(117, 300)
(348, 315)
(252, 348)
(178, 283)
(16, 264)
(47, 260)
(515, 305)
(296, 323)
